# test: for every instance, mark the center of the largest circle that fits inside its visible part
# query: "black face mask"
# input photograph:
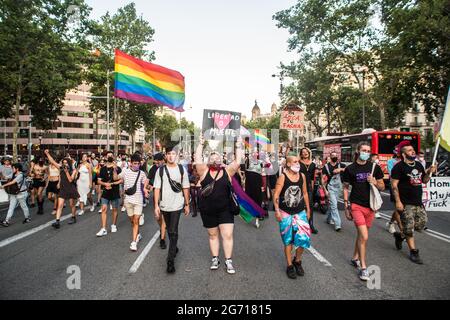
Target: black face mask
(334, 159)
(41, 163)
(110, 159)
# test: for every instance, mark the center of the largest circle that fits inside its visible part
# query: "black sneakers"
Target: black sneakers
(56, 224)
(162, 244)
(73, 220)
(27, 220)
(170, 266)
(291, 273)
(398, 240)
(414, 256)
(298, 268)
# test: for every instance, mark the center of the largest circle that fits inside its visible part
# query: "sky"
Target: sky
(226, 50)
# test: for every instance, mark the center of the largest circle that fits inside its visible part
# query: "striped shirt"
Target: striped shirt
(129, 177)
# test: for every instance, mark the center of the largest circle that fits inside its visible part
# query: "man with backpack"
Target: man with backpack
(171, 196)
(332, 180)
(135, 188)
(17, 190)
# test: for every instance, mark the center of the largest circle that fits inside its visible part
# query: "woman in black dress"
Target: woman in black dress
(67, 187)
(308, 168)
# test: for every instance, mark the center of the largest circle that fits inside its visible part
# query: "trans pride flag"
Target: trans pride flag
(145, 82)
(249, 209)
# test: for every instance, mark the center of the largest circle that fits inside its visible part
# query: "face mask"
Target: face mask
(411, 158)
(334, 159)
(364, 156)
(110, 159)
(41, 163)
(135, 167)
(216, 166)
(295, 168)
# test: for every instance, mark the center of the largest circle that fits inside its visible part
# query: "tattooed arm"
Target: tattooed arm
(398, 203)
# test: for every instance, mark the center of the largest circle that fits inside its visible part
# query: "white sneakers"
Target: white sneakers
(102, 232)
(123, 209)
(230, 268)
(113, 228)
(92, 208)
(377, 215)
(215, 263)
(139, 237)
(100, 211)
(391, 227)
(80, 212)
(141, 220)
(133, 246)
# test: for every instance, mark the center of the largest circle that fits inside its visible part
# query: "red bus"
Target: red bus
(383, 143)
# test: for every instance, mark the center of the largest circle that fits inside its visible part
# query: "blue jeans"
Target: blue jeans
(333, 212)
(20, 198)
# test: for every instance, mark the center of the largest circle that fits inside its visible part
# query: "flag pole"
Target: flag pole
(441, 127)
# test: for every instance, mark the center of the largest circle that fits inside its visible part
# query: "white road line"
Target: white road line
(25, 234)
(319, 257)
(430, 232)
(144, 253)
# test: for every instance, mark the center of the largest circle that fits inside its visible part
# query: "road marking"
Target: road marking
(430, 232)
(25, 234)
(319, 257)
(144, 253)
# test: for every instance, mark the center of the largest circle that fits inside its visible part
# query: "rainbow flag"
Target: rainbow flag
(249, 209)
(145, 82)
(260, 138)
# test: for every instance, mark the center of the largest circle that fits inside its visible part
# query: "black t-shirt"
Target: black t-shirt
(106, 175)
(309, 172)
(292, 198)
(152, 173)
(410, 182)
(356, 175)
(331, 168)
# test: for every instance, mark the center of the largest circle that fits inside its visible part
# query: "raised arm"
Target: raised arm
(201, 167)
(233, 167)
(51, 160)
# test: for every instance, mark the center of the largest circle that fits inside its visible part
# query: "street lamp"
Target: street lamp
(360, 74)
(68, 142)
(281, 76)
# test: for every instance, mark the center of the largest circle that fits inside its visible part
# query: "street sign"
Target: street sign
(23, 133)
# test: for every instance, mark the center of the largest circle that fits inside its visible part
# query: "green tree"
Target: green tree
(126, 31)
(43, 47)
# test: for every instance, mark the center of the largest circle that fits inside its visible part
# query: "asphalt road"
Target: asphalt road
(34, 260)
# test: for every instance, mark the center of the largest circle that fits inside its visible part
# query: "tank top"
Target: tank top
(53, 172)
(291, 196)
(219, 199)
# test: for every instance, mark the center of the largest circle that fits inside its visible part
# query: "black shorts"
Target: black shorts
(52, 187)
(213, 220)
(272, 181)
(38, 183)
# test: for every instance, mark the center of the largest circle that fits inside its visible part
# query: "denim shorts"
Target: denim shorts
(114, 203)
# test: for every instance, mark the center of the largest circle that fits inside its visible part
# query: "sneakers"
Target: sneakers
(170, 266)
(291, 273)
(229, 265)
(331, 222)
(377, 215)
(92, 208)
(123, 209)
(337, 229)
(73, 220)
(298, 268)
(215, 263)
(102, 232)
(133, 246)
(162, 244)
(77, 204)
(80, 212)
(314, 230)
(100, 211)
(355, 263)
(141, 220)
(139, 238)
(257, 225)
(391, 227)
(113, 228)
(56, 224)
(398, 240)
(414, 256)
(5, 223)
(27, 220)
(54, 212)
(364, 275)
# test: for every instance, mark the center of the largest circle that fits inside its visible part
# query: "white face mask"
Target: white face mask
(295, 168)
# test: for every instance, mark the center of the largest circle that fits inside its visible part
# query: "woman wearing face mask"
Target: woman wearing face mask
(84, 183)
(357, 203)
(98, 187)
(292, 211)
(68, 189)
(215, 206)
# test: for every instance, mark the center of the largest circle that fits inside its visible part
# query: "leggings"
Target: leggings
(172, 219)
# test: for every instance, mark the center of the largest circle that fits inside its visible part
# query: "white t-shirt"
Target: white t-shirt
(129, 177)
(171, 201)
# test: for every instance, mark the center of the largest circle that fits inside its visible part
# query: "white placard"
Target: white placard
(436, 194)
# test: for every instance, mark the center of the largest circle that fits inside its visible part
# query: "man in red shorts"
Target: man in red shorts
(360, 174)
